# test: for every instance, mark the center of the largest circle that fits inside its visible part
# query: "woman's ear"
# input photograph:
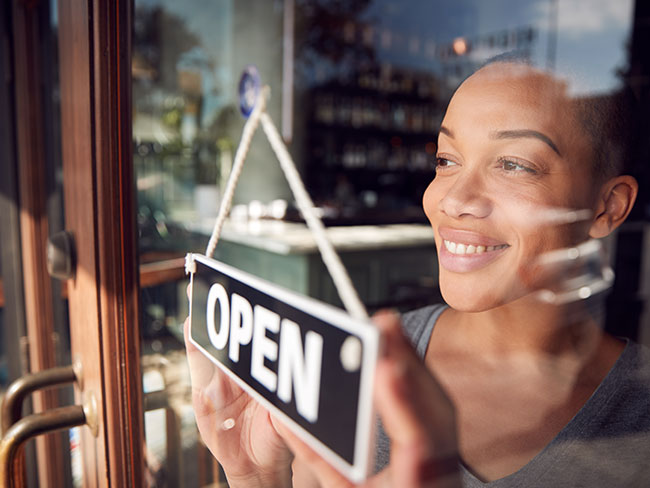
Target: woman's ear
(614, 203)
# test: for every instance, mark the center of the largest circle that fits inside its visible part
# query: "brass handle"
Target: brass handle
(12, 404)
(30, 427)
(16, 431)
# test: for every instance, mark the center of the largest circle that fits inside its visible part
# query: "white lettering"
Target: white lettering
(263, 347)
(241, 325)
(301, 371)
(218, 293)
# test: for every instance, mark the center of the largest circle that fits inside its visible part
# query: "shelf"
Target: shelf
(352, 89)
(377, 170)
(151, 274)
(352, 132)
(160, 272)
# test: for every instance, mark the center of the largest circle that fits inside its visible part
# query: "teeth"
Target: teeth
(458, 248)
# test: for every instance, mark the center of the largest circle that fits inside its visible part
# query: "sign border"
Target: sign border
(365, 330)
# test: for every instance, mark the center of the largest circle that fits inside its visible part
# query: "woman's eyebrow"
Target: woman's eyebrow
(516, 134)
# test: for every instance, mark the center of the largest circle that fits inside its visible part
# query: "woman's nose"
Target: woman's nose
(466, 197)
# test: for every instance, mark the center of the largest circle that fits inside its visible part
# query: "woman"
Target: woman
(515, 388)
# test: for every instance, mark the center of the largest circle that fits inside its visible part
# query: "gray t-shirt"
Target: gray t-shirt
(606, 444)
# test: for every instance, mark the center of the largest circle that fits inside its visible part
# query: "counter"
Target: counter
(294, 238)
(389, 265)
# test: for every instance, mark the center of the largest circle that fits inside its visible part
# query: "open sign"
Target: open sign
(308, 362)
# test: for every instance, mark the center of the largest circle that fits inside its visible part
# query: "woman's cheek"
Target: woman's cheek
(533, 233)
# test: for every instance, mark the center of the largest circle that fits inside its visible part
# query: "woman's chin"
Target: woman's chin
(481, 293)
(463, 302)
(473, 302)
(476, 299)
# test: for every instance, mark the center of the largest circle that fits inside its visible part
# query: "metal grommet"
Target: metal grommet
(350, 354)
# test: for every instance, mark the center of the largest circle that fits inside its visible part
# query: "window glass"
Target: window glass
(358, 91)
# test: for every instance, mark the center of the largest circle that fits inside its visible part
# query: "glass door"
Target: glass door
(75, 136)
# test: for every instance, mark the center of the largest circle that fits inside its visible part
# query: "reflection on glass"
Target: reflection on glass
(370, 83)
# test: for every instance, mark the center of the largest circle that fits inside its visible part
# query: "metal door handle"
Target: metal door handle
(30, 427)
(12, 404)
(17, 431)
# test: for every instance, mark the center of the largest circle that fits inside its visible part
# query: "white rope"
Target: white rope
(331, 259)
(240, 156)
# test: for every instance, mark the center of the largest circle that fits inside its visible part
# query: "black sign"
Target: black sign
(310, 363)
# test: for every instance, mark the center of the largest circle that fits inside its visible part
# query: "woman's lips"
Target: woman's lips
(463, 251)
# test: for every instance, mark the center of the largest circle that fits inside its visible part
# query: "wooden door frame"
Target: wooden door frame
(99, 200)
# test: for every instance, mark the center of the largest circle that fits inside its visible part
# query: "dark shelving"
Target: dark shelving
(372, 144)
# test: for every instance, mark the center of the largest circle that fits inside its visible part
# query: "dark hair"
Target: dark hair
(606, 120)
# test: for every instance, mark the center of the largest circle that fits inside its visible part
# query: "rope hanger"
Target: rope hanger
(253, 96)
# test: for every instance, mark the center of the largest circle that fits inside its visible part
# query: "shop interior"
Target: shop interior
(358, 90)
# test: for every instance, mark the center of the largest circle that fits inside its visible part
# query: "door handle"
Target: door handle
(30, 427)
(17, 430)
(12, 404)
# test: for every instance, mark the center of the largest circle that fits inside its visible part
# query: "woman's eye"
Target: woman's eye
(442, 163)
(513, 166)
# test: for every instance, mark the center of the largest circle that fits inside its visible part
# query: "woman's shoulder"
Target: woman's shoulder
(418, 325)
(632, 372)
(619, 407)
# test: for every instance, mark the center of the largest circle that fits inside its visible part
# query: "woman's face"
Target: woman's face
(512, 158)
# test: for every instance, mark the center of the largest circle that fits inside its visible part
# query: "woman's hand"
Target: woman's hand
(237, 430)
(418, 417)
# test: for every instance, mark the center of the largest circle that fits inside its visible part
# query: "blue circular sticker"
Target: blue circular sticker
(249, 89)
